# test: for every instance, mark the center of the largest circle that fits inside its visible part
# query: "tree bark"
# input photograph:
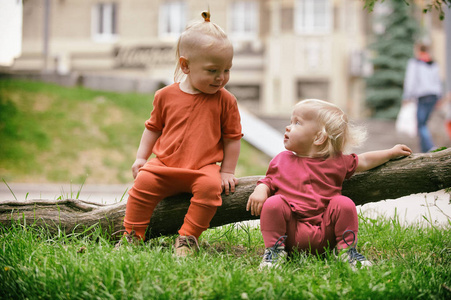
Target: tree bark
(414, 174)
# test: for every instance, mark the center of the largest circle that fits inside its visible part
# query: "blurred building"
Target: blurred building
(10, 31)
(285, 50)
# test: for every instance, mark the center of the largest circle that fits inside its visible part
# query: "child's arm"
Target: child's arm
(257, 198)
(228, 165)
(148, 140)
(372, 159)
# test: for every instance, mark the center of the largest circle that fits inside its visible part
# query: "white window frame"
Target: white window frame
(172, 19)
(104, 22)
(313, 16)
(244, 20)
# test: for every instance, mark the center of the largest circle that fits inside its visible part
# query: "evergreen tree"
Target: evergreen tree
(392, 49)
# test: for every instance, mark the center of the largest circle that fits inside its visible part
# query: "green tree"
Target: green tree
(437, 5)
(392, 48)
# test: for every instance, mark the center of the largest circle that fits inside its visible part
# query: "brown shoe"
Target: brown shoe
(127, 239)
(185, 245)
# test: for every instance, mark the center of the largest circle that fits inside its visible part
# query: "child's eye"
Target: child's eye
(226, 71)
(212, 71)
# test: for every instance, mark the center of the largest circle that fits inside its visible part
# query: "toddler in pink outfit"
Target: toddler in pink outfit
(299, 201)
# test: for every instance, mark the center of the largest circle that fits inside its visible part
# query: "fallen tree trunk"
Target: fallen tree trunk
(414, 174)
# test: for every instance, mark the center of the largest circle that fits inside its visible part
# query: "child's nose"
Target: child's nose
(288, 128)
(220, 76)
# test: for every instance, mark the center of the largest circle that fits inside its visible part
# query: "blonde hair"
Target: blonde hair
(340, 135)
(198, 35)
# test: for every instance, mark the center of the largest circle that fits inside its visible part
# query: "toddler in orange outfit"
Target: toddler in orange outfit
(194, 125)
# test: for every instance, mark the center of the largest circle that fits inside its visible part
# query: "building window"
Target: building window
(104, 22)
(244, 19)
(172, 20)
(313, 16)
(308, 89)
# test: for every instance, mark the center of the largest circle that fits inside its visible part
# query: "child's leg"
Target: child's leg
(276, 220)
(144, 196)
(154, 182)
(206, 190)
(340, 215)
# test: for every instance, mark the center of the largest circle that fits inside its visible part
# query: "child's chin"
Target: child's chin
(210, 91)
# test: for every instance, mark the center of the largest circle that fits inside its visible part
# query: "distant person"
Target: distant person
(422, 83)
(448, 114)
(194, 125)
(300, 198)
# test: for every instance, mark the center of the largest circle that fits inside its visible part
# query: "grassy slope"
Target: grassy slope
(50, 133)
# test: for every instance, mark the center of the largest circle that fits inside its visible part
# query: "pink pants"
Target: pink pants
(277, 219)
(155, 181)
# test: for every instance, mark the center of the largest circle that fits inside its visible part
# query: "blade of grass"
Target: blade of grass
(10, 189)
(79, 190)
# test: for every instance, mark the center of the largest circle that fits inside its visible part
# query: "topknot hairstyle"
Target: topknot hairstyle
(340, 134)
(198, 35)
(206, 15)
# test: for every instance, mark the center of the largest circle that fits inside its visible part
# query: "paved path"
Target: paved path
(98, 193)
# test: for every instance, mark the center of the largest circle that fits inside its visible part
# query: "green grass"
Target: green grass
(51, 133)
(410, 263)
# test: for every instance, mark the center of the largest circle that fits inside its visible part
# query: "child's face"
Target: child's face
(300, 135)
(209, 70)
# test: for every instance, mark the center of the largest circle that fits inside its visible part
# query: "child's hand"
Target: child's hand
(139, 162)
(255, 203)
(228, 182)
(256, 199)
(400, 150)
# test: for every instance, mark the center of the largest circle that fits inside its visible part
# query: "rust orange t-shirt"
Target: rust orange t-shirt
(193, 126)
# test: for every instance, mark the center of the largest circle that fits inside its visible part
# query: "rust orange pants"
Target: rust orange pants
(155, 181)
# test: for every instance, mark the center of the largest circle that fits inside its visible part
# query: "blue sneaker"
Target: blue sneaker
(274, 256)
(350, 254)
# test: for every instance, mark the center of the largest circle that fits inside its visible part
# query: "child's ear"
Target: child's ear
(320, 138)
(183, 61)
